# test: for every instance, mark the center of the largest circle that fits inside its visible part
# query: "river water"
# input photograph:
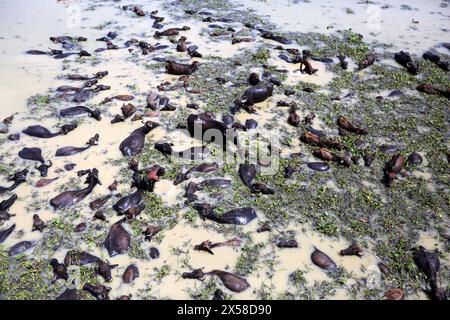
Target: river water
(27, 24)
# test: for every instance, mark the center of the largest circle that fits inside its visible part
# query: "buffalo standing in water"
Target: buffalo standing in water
(118, 240)
(131, 273)
(327, 155)
(77, 77)
(68, 294)
(392, 168)
(68, 151)
(145, 179)
(428, 262)
(367, 61)
(444, 65)
(59, 269)
(134, 143)
(353, 250)
(180, 69)
(270, 35)
(257, 93)
(193, 153)
(194, 274)
(321, 141)
(319, 166)
(72, 197)
(207, 127)
(81, 258)
(322, 260)
(247, 173)
(73, 111)
(204, 122)
(202, 168)
(85, 94)
(99, 291)
(208, 245)
(231, 281)
(128, 202)
(238, 216)
(252, 95)
(18, 178)
(414, 159)
(404, 59)
(193, 187)
(171, 31)
(35, 154)
(343, 63)
(20, 247)
(346, 125)
(5, 205)
(5, 233)
(41, 132)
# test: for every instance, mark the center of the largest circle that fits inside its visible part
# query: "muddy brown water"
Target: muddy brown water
(26, 25)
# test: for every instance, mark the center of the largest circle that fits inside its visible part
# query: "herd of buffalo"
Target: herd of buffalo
(118, 240)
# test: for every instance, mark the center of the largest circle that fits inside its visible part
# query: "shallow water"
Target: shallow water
(413, 26)
(26, 25)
